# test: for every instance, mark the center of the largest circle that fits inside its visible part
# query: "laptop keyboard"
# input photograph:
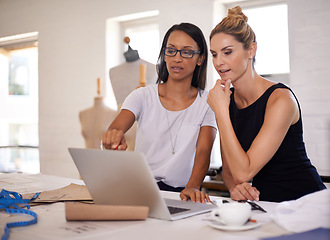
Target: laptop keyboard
(174, 210)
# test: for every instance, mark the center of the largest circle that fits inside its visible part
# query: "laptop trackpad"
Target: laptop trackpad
(188, 207)
(174, 210)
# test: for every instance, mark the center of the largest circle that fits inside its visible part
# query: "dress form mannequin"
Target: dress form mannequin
(124, 78)
(95, 120)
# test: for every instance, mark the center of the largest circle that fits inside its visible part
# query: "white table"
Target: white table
(53, 225)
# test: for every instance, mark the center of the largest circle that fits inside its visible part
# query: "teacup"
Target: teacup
(232, 214)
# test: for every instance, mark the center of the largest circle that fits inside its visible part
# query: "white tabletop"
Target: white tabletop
(53, 225)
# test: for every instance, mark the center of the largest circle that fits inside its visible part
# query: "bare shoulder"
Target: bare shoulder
(283, 104)
(282, 96)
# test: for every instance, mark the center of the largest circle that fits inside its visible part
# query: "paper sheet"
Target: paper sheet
(72, 192)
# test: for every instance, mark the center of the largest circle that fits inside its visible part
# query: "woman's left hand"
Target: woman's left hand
(195, 195)
(244, 191)
(219, 95)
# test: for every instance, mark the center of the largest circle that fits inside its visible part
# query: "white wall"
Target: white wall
(72, 44)
(309, 36)
(72, 56)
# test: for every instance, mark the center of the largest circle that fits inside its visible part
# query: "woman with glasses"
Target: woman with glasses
(176, 127)
(259, 122)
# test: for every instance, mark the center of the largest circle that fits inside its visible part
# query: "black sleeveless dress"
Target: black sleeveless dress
(289, 174)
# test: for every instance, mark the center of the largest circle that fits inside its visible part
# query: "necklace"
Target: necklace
(168, 122)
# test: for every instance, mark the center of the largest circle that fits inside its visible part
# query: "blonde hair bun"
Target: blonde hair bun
(235, 24)
(237, 14)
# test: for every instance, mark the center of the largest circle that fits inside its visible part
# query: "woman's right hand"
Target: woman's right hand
(219, 95)
(114, 139)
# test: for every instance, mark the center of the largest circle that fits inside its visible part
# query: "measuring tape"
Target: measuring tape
(13, 202)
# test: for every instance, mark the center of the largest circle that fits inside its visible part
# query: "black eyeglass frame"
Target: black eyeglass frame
(193, 52)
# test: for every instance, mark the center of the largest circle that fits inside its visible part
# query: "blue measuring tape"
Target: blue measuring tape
(13, 202)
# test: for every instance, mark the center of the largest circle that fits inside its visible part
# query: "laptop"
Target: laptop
(124, 178)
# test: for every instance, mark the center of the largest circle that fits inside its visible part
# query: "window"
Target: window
(270, 24)
(20, 67)
(19, 120)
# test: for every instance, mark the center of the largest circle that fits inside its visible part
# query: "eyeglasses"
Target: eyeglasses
(185, 53)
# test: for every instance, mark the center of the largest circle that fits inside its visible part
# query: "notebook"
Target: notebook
(124, 178)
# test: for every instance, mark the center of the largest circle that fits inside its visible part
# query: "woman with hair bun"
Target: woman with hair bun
(259, 122)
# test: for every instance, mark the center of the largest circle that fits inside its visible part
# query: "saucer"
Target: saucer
(247, 226)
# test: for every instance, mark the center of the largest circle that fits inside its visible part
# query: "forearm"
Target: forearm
(230, 147)
(228, 179)
(226, 174)
(123, 121)
(114, 137)
(200, 168)
(202, 156)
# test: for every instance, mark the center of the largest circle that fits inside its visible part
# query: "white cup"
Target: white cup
(232, 214)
